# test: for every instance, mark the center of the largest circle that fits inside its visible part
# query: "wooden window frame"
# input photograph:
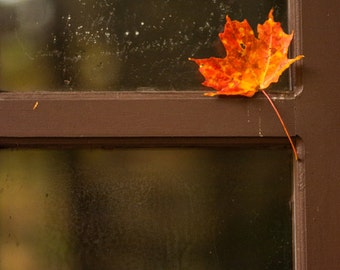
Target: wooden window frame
(131, 119)
(186, 118)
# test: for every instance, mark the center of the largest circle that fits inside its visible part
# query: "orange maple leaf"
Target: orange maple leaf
(251, 63)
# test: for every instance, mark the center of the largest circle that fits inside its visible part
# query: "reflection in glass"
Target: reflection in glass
(160, 208)
(114, 44)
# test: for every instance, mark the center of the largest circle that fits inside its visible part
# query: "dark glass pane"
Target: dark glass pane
(116, 44)
(166, 208)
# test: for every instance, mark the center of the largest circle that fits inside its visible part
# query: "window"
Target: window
(147, 208)
(75, 131)
(117, 45)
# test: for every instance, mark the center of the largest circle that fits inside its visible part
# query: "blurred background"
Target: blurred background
(117, 45)
(146, 208)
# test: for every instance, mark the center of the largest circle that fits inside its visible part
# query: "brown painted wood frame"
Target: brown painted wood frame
(186, 118)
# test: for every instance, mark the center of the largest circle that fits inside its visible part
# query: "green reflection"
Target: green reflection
(117, 45)
(160, 208)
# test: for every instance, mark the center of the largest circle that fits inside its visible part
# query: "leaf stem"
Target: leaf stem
(282, 123)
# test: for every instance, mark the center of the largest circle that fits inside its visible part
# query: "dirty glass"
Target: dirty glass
(117, 45)
(146, 208)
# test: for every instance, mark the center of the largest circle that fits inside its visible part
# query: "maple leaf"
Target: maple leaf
(251, 63)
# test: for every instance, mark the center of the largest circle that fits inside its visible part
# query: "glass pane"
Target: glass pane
(159, 208)
(115, 44)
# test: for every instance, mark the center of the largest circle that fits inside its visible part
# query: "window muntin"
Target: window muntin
(117, 45)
